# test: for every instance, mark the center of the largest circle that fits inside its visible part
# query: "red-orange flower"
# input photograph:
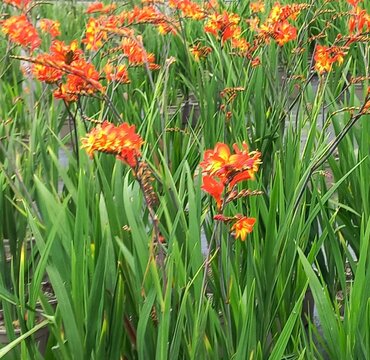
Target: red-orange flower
(353, 2)
(82, 79)
(216, 159)
(21, 31)
(223, 25)
(230, 168)
(325, 57)
(66, 54)
(200, 52)
(284, 32)
(50, 26)
(188, 9)
(94, 36)
(20, 4)
(243, 226)
(150, 15)
(100, 8)
(44, 72)
(116, 73)
(257, 6)
(359, 21)
(121, 140)
(136, 54)
(214, 188)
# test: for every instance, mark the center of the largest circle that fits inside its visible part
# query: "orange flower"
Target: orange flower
(21, 31)
(150, 15)
(82, 79)
(241, 44)
(188, 9)
(223, 25)
(284, 32)
(242, 165)
(230, 168)
(257, 6)
(118, 73)
(20, 4)
(120, 140)
(215, 160)
(200, 52)
(358, 21)
(325, 57)
(100, 7)
(256, 62)
(46, 73)
(242, 226)
(50, 26)
(253, 23)
(136, 54)
(353, 3)
(66, 54)
(214, 188)
(94, 36)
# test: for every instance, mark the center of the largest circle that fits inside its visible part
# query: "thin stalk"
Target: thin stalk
(334, 144)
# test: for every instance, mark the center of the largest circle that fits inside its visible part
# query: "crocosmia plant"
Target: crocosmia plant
(184, 179)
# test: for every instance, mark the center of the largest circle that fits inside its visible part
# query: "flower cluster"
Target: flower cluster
(21, 32)
(200, 52)
(359, 20)
(20, 4)
(50, 27)
(225, 26)
(99, 7)
(82, 78)
(188, 9)
(133, 49)
(325, 57)
(241, 225)
(149, 15)
(277, 25)
(121, 140)
(222, 170)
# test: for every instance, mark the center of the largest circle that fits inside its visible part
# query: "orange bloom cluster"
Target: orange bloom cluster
(50, 26)
(325, 57)
(277, 25)
(45, 73)
(200, 52)
(121, 140)
(133, 49)
(359, 21)
(149, 15)
(223, 25)
(20, 4)
(223, 170)
(82, 79)
(257, 6)
(241, 225)
(67, 54)
(188, 9)
(99, 7)
(49, 67)
(353, 3)
(94, 35)
(116, 73)
(21, 32)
